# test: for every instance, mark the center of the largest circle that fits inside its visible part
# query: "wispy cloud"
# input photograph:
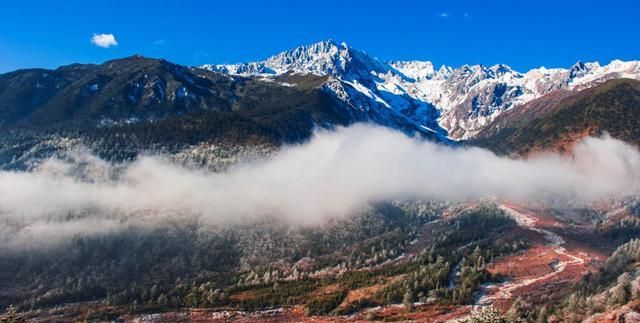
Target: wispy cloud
(335, 174)
(104, 40)
(443, 15)
(158, 42)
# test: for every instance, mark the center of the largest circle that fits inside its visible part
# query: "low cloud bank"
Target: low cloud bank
(333, 175)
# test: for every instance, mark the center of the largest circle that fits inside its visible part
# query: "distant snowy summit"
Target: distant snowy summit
(322, 58)
(453, 102)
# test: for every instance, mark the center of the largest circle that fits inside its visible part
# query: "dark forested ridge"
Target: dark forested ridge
(124, 106)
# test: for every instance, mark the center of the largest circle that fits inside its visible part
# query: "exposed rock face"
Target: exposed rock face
(457, 102)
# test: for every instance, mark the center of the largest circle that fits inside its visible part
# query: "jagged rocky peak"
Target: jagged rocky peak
(481, 72)
(445, 71)
(580, 69)
(416, 70)
(501, 69)
(326, 57)
(460, 100)
(619, 65)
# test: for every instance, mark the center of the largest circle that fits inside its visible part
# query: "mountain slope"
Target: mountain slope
(457, 102)
(22, 92)
(126, 106)
(123, 90)
(353, 77)
(558, 120)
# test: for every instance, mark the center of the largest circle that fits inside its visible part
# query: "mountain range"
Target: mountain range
(458, 102)
(126, 106)
(103, 257)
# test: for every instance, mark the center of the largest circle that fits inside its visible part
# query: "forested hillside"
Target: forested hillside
(556, 122)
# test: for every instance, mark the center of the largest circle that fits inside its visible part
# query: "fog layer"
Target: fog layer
(333, 175)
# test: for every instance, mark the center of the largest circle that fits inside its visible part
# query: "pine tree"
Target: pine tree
(487, 314)
(622, 291)
(407, 300)
(162, 300)
(12, 316)
(542, 315)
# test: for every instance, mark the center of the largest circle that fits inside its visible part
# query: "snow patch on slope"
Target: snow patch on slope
(457, 102)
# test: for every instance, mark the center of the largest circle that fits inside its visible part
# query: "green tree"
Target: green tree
(407, 300)
(487, 314)
(542, 315)
(12, 316)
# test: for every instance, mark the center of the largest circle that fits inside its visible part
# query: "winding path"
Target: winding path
(491, 293)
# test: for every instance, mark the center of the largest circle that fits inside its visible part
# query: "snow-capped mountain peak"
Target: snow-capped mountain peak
(580, 69)
(416, 70)
(322, 58)
(457, 102)
(325, 57)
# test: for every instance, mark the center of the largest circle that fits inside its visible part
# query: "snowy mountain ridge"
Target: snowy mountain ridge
(456, 102)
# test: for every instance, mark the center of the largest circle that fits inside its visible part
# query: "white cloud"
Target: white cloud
(159, 42)
(333, 175)
(444, 15)
(104, 40)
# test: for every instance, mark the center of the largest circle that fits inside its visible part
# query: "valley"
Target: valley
(546, 265)
(541, 272)
(320, 184)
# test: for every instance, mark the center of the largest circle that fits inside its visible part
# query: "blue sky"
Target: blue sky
(523, 34)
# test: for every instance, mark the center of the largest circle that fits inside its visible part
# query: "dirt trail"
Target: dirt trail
(491, 293)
